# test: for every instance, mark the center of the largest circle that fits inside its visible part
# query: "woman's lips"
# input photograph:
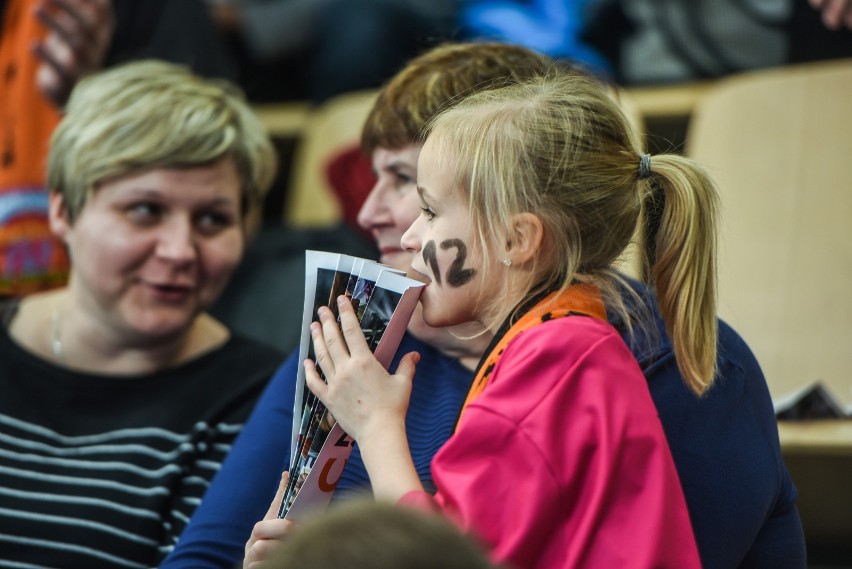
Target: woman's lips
(170, 292)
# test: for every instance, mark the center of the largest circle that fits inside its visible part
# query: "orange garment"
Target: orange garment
(31, 258)
(579, 299)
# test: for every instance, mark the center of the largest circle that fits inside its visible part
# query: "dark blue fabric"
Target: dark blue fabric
(725, 445)
(243, 489)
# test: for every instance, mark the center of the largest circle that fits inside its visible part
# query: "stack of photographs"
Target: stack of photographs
(384, 300)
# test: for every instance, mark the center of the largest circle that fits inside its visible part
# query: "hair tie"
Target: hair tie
(644, 166)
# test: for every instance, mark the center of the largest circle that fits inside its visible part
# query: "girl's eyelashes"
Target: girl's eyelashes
(428, 212)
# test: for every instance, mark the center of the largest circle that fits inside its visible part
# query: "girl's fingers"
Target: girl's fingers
(334, 344)
(334, 341)
(323, 358)
(272, 512)
(267, 533)
(314, 382)
(351, 328)
(408, 365)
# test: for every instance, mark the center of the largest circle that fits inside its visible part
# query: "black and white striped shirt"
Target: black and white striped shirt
(103, 472)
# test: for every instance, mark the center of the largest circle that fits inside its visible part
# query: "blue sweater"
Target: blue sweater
(740, 496)
(725, 446)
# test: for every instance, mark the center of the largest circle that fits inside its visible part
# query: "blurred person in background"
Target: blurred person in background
(670, 41)
(315, 49)
(371, 535)
(639, 42)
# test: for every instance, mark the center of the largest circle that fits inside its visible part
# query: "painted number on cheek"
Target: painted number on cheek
(430, 256)
(457, 275)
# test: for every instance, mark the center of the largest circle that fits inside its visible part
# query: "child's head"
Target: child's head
(380, 536)
(558, 148)
(549, 173)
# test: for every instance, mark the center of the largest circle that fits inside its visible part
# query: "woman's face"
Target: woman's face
(442, 240)
(393, 204)
(151, 251)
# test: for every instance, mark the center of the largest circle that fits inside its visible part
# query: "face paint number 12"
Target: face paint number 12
(457, 275)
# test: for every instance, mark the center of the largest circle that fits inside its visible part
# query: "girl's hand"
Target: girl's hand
(359, 392)
(268, 535)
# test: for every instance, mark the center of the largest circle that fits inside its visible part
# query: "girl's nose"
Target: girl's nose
(410, 241)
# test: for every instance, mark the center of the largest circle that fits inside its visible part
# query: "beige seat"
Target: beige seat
(779, 144)
(328, 129)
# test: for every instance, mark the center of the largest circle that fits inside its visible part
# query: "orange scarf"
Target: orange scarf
(581, 299)
(30, 257)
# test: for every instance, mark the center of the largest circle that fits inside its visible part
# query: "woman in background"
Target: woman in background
(121, 395)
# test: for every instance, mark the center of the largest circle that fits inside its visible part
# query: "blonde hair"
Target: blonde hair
(152, 114)
(559, 147)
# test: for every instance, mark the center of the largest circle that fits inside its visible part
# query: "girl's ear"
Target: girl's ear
(60, 222)
(525, 238)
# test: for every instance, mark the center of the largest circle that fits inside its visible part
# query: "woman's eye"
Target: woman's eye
(404, 180)
(144, 213)
(213, 222)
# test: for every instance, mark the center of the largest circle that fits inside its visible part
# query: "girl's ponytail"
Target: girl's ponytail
(681, 252)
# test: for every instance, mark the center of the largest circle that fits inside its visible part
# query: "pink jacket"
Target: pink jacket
(562, 461)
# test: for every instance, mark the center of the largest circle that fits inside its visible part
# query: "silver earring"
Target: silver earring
(507, 262)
